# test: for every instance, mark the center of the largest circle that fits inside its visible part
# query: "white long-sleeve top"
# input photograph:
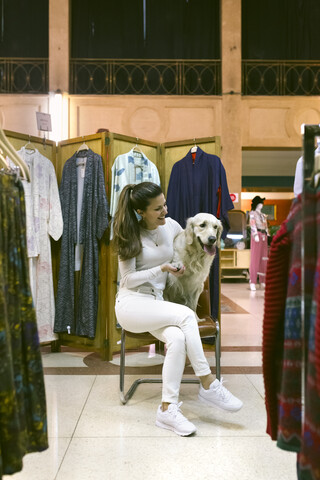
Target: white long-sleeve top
(157, 249)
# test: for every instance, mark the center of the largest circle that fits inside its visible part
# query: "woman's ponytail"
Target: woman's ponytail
(126, 231)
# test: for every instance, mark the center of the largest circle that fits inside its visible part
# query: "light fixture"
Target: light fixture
(58, 108)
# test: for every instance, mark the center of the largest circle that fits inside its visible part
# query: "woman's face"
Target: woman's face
(154, 214)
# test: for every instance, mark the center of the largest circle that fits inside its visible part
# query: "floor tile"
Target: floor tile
(93, 436)
(140, 359)
(240, 339)
(65, 359)
(257, 381)
(234, 359)
(175, 458)
(44, 465)
(104, 415)
(66, 396)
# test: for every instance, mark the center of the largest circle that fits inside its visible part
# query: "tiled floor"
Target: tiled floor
(93, 436)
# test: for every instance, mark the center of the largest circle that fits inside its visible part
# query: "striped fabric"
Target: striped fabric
(282, 344)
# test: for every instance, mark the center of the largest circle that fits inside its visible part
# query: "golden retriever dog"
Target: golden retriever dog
(195, 248)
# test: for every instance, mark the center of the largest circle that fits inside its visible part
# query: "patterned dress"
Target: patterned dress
(132, 167)
(23, 418)
(44, 220)
(79, 316)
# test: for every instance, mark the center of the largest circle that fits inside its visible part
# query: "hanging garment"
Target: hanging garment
(309, 456)
(44, 220)
(93, 223)
(23, 418)
(132, 167)
(273, 322)
(259, 250)
(282, 341)
(200, 186)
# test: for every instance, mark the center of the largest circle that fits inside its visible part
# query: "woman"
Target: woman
(145, 250)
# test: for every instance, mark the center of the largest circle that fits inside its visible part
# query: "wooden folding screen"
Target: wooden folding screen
(109, 146)
(164, 156)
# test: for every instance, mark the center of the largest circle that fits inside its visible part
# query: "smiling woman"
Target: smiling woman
(145, 251)
(155, 213)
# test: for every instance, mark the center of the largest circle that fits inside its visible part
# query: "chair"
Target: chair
(208, 328)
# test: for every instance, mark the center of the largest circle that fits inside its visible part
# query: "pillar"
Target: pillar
(59, 47)
(231, 142)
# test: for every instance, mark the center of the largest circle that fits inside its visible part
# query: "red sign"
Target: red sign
(234, 197)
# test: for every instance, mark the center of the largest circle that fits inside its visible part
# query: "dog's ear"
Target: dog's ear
(189, 231)
(219, 233)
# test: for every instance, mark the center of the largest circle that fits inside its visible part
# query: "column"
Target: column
(231, 142)
(59, 48)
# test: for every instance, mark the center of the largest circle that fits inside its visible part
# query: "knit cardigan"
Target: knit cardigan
(282, 344)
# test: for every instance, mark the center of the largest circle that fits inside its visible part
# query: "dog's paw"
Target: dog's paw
(200, 319)
(177, 265)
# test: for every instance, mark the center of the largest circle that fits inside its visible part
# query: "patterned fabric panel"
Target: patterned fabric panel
(23, 418)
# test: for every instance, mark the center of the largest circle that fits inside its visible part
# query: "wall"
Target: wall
(240, 121)
(282, 208)
(264, 121)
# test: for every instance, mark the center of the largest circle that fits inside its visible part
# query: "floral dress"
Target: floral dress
(23, 418)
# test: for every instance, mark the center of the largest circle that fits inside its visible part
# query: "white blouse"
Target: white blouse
(157, 249)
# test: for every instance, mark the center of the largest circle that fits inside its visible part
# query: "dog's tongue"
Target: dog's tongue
(209, 249)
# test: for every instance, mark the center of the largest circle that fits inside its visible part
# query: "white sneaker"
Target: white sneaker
(253, 287)
(219, 396)
(172, 419)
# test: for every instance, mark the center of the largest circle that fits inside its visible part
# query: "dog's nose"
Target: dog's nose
(211, 239)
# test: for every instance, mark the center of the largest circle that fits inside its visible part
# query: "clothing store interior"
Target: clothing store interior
(159, 167)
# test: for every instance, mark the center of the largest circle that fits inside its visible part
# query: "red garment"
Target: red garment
(282, 344)
(274, 308)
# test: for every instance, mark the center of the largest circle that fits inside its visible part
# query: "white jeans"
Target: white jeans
(175, 325)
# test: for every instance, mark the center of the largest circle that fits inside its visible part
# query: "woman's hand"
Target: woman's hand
(174, 270)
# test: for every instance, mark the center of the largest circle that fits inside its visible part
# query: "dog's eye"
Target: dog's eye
(203, 225)
(215, 227)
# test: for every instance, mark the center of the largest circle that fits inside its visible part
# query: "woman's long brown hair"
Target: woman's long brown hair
(126, 230)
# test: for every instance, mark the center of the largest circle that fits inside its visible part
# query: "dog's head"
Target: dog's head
(205, 229)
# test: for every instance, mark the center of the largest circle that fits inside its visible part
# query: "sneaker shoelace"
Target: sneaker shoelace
(174, 410)
(223, 391)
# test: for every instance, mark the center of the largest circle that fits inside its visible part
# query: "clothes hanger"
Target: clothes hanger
(81, 161)
(29, 146)
(194, 148)
(3, 161)
(82, 147)
(9, 150)
(136, 148)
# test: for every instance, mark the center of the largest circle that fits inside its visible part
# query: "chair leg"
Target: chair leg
(122, 366)
(124, 397)
(217, 349)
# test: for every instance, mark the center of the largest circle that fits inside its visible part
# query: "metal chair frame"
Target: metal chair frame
(124, 397)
